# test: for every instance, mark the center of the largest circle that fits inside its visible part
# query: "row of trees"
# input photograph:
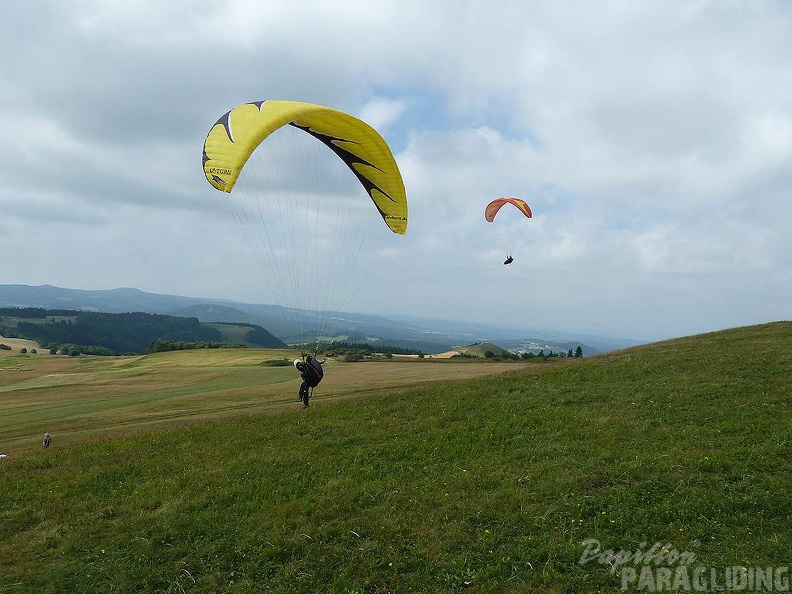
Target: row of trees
(159, 346)
(529, 355)
(367, 347)
(358, 350)
(75, 350)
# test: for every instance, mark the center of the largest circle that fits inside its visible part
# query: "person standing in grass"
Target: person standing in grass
(47, 440)
(311, 373)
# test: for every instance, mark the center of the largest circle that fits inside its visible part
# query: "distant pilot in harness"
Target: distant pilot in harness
(311, 373)
(509, 260)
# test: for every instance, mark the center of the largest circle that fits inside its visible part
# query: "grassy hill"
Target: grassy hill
(480, 349)
(492, 484)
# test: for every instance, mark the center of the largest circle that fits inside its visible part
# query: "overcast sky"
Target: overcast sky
(653, 141)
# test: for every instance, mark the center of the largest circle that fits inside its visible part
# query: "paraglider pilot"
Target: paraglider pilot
(509, 260)
(311, 373)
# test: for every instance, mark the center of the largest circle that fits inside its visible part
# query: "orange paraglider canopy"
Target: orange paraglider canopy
(494, 206)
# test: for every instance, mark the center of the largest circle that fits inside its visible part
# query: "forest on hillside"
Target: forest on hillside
(106, 333)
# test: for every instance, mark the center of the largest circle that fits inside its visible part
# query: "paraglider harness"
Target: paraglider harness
(311, 373)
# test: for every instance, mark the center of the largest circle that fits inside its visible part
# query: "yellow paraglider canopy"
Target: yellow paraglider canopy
(235, 136)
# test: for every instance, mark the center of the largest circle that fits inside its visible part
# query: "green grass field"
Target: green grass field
(79, 399)
(197, 471)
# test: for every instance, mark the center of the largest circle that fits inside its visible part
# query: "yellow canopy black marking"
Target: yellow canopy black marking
(239, 132)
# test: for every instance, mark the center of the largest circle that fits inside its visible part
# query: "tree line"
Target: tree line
(366, 347)
(160, 346)
(490, 354)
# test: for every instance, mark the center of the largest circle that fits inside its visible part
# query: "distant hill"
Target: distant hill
(211, 312)
(424, 334)
(480, 349)
(113, 333)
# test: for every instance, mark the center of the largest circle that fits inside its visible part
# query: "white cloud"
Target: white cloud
(382, 113)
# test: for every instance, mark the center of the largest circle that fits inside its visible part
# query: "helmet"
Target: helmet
(298, 363)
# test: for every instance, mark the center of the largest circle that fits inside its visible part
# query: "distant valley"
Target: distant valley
(424, 334)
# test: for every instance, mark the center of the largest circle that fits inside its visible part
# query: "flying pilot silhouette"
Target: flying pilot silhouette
(509, 260)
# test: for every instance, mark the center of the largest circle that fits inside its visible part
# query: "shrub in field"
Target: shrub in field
(276, 363)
